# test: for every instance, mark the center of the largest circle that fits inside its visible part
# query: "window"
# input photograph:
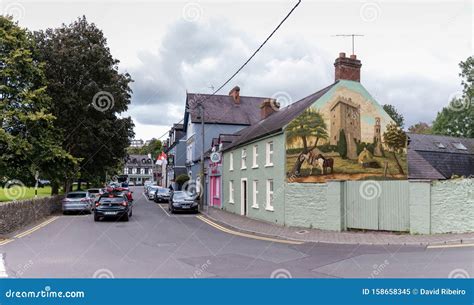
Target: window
(269, 154)
(231, 191)
(255, 157)
(125, 171)
(217, 188)
(146, 171)
(244, 159)
(459, 146)
(189, 153)
(440, 145)
(269, 205)
(254, 194)
(231, 161)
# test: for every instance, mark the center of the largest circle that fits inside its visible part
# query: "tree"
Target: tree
(394, 114)
(457, 119)
(154, 148)
(28, 139)
(395, 139)
(310, 124)
(88, 95)
(420, 128)
(342, 144)
(181, 180)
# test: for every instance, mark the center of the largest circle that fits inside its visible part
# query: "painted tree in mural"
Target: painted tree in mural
(310, 124)
(395, 139)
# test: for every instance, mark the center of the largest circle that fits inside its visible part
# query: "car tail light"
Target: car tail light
(97, 203)
(124, 203)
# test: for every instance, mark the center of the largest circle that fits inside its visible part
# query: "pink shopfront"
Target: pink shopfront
(215, 186)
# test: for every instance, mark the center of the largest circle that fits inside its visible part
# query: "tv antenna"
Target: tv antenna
(353, 38)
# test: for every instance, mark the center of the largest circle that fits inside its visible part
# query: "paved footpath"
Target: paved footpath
(312, 235)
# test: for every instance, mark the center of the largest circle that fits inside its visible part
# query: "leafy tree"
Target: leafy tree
(421, 128)
(181, 180)
(458, 118)
(395, 139)
(28, 139)
(310, 124)
(342, 144)
(394, 114)
(88, 94)
(154, 148)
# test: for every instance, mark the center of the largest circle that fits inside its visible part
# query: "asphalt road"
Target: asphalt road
(156, 244)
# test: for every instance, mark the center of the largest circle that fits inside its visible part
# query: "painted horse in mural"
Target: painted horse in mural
(319, 161)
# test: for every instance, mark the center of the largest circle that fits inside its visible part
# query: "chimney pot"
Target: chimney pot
(235, 93)
(347, 68)
(268, 107)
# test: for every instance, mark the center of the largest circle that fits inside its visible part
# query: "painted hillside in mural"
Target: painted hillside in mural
(345, 135)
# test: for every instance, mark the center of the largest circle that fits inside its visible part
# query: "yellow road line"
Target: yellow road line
(221, 228)
(450, 246)
(5, 241)
(35, 228)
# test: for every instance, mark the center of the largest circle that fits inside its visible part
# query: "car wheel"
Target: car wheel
(125, 217)
(65, 212)
(131, 212)
(96, 217)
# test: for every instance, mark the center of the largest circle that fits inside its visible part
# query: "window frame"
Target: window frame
(243, 159)
(255, 156)
(231, 191)
(269, 154)
(269, 195)
(231, 161)
(255, 194)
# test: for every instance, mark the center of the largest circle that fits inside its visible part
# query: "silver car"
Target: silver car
(151, 191)
(79, 201)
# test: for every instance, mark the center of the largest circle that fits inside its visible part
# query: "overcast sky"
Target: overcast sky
(410, 51)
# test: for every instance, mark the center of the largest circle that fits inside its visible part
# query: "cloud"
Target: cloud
(200, 56)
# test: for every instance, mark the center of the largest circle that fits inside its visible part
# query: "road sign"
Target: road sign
(215, 157)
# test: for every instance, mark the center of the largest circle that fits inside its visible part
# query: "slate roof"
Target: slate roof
(222, 109)
(428, 161)
(276, 121)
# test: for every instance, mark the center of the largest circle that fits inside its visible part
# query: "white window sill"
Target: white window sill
(269, 165)
(231, 202)
(242, 168)
(269, 208)
(255, 206)
(255, 166)
(231, 170)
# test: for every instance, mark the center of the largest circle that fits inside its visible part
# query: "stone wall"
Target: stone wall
(17, 214)
(452, 206)
(306, 205)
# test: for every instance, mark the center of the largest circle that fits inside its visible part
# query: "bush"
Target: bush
(181, 179)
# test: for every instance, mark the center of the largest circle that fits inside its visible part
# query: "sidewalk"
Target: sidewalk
(312, 235)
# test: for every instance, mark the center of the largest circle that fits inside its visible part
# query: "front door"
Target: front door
(243, 197)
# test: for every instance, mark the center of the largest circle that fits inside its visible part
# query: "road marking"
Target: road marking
(5, 241)
(221, 228)
(450, 246)
(3, 270)
(35, 228)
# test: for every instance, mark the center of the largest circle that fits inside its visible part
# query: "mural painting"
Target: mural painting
(347, 137)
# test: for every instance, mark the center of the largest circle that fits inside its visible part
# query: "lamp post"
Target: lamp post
(202, 182)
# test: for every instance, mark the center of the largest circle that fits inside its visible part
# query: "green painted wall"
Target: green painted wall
(262, 173)
(419, 202)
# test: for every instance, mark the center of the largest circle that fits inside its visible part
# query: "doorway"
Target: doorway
(243, 196)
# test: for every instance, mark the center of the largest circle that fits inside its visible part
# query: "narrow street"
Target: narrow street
(156, 244)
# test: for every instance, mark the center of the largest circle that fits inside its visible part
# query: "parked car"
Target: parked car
(95, 193)
(162, 195)
(151, 191)
(77, 202)
(182, 201)
(114, 204)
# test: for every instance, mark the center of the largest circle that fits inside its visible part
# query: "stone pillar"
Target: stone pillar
(420, 206)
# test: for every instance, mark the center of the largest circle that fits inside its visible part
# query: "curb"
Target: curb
(455, 241)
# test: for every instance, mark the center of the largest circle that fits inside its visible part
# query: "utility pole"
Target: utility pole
(353, 40)
(202, 182)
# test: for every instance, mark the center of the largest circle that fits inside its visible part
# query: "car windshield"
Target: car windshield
(111, 199)
(162, 190)
(94, 191)
(76, 195)
(181, 196)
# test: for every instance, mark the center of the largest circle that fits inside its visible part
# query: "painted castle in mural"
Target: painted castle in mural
(345, 134)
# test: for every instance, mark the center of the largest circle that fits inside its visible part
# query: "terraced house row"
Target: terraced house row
(333, 160)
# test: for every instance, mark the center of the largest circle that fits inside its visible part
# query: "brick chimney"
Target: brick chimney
(235, 93)
(268, 107)
(347, 68)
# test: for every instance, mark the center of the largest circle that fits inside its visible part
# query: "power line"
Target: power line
(246, 62)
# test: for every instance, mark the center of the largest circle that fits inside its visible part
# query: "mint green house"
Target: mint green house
(265, 169)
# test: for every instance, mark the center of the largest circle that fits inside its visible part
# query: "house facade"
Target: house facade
(176, 155)
(314, 141)
(139, 169)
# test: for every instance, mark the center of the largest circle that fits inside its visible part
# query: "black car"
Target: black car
(182, 201)
(162, 195)
(113, 205)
